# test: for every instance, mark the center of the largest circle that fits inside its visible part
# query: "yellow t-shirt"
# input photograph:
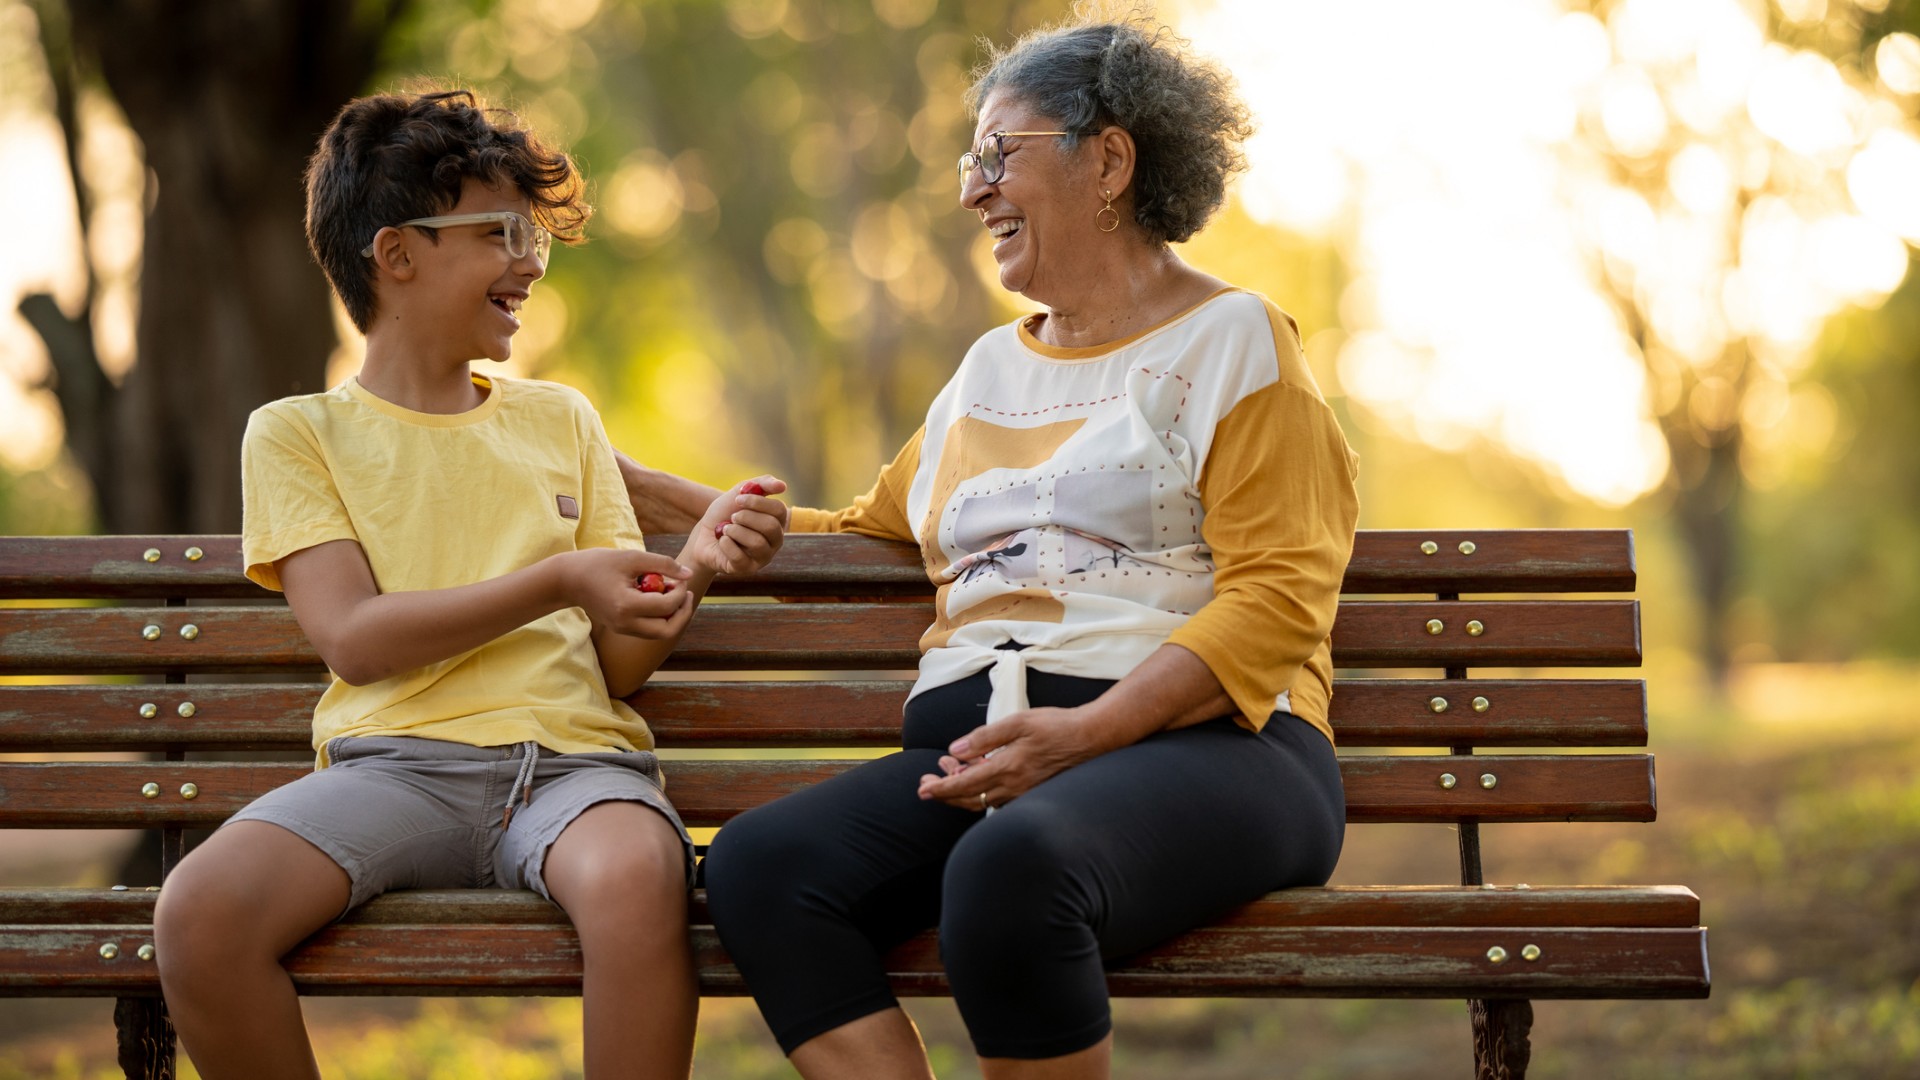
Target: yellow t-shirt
(440, 501)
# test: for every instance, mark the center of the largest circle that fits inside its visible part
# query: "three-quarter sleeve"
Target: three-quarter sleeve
(1281, 507)
(881, 512)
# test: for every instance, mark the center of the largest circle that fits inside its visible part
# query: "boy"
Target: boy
(461, 552)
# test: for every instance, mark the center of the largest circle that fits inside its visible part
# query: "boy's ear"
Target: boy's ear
(391, 254)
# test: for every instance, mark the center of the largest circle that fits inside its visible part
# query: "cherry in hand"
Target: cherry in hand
(653, 583)
(748, 488)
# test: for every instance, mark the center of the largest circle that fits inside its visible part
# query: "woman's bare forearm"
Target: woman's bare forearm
(1172, 688)
(663, 502)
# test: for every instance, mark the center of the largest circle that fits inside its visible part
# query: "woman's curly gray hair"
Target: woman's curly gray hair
(1185, 116)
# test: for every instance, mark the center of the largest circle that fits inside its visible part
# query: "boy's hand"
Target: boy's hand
(606, 583)
(742, 530)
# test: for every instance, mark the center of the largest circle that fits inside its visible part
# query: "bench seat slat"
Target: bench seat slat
(1353, 905)
(1617, 787)
(1330, 961)
(1366, 712)
(1384, 561)
(1518, 633)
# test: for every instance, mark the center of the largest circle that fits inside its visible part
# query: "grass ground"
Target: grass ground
(1794, 812)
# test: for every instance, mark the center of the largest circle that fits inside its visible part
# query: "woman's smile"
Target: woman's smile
(1004, 229)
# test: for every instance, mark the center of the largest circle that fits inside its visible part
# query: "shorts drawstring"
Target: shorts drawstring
(522, 789)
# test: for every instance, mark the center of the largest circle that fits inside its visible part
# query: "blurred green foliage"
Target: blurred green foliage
(1831, 569)
(779, 279)
(778, 274)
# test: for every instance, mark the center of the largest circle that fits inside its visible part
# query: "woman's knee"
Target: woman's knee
(1013, 853)
(1012, 878)
(765, 849)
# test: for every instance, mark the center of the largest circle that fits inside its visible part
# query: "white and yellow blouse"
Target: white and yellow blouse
(1187, 484)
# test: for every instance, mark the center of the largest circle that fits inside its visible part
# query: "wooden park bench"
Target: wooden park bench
(147, 634)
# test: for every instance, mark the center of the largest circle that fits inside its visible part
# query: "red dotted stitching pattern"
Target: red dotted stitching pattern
(1184, 381)
(978, 407)
(1193, 528)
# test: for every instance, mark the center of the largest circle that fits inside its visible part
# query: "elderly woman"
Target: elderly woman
(1138, 509)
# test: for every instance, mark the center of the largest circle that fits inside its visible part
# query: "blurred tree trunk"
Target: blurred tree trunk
(227, 100)
(1704, 476)
(1706, 507)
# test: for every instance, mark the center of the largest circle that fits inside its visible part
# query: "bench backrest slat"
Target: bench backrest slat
(1614, 787)
(845, 604)
(1398, 633)
(1384, 561)
(700, 714)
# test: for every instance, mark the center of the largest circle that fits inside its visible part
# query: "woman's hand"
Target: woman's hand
(1007, 759)
(742, 529)
(1172, 688)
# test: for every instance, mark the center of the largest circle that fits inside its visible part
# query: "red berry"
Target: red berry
(720, 531)
(751, 488)
(653, 583)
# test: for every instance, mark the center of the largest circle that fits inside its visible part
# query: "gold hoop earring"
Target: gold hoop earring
(1100, 215)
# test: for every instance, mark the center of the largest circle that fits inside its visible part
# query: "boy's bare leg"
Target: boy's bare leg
(878, 1046)
(235, 906)
(619, 872)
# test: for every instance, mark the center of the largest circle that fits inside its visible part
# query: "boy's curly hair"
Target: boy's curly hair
(389, 158)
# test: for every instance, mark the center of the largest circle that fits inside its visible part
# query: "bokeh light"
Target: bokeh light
(1560, 222)
(1567, 231)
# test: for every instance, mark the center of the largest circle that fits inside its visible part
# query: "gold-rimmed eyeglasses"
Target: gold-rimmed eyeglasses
(521, 235)
(990, 156)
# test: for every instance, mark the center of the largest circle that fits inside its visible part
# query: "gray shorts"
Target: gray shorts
(405, 813)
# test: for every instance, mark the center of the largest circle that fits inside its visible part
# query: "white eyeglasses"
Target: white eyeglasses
(521, 235)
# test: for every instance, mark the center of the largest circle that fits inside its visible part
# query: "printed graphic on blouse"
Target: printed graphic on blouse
(1187, 485)
(1037, 515)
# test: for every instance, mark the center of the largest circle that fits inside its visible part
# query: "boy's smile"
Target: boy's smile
(509, 303)
(471, 264)
(447, 296)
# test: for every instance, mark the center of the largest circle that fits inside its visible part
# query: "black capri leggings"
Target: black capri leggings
(1101, 861)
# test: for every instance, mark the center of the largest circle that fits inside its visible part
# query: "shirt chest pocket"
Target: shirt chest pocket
(554, 504)
(510, 516)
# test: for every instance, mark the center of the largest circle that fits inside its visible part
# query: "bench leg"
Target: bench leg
(146, 1038)
(1500, 1046)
